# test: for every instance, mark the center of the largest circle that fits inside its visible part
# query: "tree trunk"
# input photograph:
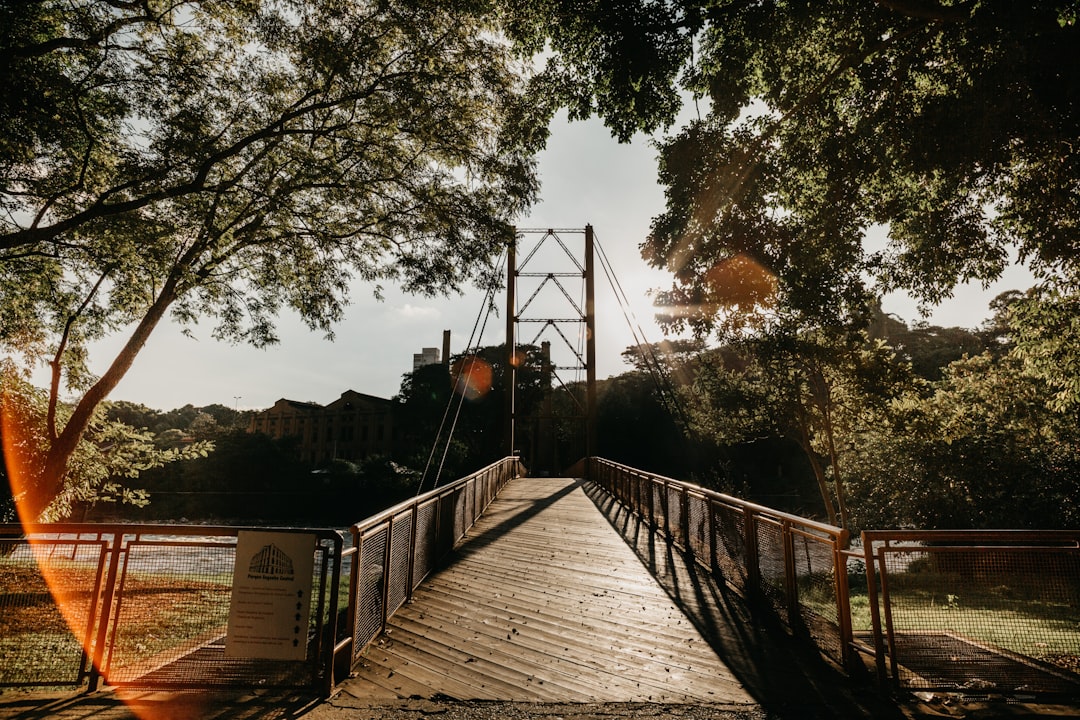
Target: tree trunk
(815, 464)
(67, 440)
(834, 461)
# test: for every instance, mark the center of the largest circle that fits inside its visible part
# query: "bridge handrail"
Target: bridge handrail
(394, 550)
(824, 528)
(794, 565)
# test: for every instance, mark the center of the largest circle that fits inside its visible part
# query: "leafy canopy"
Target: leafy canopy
(228, 160)
(953, 125)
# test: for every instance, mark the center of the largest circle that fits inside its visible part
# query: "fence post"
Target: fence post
(415, 520)
(354, 580)
(791, 584)
(386, 572)
(684, 518)
(875, 609)
(714, 564)
(647, 487)
(338, 548)
(843, 601)
(98, 656)
(753, 572)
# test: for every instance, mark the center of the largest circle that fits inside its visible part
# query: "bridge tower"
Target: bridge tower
(542, 262)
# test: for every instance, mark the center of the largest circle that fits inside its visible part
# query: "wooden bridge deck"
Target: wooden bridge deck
(544, 601)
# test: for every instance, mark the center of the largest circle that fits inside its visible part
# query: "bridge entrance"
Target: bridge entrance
(550, 305)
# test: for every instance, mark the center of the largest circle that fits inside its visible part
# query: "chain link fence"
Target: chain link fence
(976, 612)
(149, 606)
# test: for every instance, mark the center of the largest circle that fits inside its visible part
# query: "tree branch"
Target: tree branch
(926, 10)
(56, 364)
(277, 129)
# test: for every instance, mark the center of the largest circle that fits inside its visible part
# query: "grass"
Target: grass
(1015, 618)
(159, 612)
(162, 613)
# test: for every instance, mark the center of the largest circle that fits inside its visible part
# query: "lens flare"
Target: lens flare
(741, 283)
(472, 377)
(69, 580)
(517, 359)
(24, 461)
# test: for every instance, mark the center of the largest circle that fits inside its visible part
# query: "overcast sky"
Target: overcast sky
(588, 178)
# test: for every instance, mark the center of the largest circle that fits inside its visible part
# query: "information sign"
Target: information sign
(271, 595)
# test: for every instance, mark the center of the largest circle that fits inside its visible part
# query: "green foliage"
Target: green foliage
(102, 467)
(981, 448)
(929, 349)
(228, 160)
(209, 422)
(1046, 325)
(619, 59)
(807, 388)
(994, 441)
(954, 127)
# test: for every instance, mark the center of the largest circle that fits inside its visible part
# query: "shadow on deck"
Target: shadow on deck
(788, 678)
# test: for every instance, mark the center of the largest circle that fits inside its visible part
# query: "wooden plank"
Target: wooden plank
(548, 659)
(544, 601)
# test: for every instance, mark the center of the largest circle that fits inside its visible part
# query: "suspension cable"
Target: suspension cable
(660, 377)
(489, 304)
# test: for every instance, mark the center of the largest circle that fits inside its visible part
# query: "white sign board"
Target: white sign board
(271, 595)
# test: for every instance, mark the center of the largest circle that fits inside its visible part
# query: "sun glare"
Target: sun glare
(472, 378)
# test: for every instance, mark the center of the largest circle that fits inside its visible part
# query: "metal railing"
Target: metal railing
(396, 549)
(976, 612)
(793, 565)
(149, 605)
(146, 606)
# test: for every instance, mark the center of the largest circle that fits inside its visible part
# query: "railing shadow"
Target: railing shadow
(530, 509)
(788, 678)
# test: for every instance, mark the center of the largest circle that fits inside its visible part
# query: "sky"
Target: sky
(587, 178)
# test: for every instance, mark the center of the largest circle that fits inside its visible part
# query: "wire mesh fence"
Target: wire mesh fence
(977, 612)
(968, 612)
(398, 548)
(43, 637)
(149, 606)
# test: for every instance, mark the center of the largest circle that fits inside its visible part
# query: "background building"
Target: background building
(427, 356)
(351, 428)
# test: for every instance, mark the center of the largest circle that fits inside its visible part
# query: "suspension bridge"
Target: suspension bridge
(606, 584)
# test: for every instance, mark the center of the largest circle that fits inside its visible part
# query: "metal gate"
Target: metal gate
(147, 606)
(976, 612)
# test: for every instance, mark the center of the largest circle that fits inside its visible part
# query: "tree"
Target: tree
(636, 426)
(981, 448)
(929, 349)
(954, 126)
(1046, 331)
(810, 388)
(227, 160)
(99, 469)
(461, 412)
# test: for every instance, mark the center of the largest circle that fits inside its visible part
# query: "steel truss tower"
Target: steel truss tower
(551, 271)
